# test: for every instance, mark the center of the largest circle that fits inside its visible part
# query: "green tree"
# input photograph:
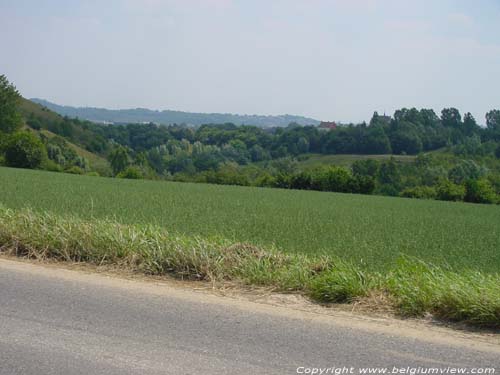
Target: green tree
(10, 119)
(493, 123)
(119, 159)
(24, 150)
(466, 170)
(450, 117)
(448, 191)
(376, 141)
(470, 124)
(479, 191)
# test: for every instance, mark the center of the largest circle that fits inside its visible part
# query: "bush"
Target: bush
(420, 192)
(75, 170)
(50, 165)
(448, 191)
(336, 179)
(479, 191)
(132, 173)
(24, 150)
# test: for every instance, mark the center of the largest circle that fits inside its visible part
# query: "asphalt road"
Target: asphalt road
(66, 322)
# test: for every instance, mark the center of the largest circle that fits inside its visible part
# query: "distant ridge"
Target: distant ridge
(142, 115)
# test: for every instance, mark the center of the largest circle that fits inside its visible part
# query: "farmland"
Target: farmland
(371, 231)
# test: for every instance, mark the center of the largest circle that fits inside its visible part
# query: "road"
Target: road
(68, 322)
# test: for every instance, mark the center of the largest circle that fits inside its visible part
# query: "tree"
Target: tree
(448, 191)
(302, 145)
(479, 191)
(493, 119)
(376, 141)
(389, 173)
(493, 123)
(451, 117)
(10, 119)
(119, 159)
(466, 170)
(406, 141)
(368, 167)
(24, 150)
(470, 124)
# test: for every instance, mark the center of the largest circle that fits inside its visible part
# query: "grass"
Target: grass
(413, 287)
(371, 232)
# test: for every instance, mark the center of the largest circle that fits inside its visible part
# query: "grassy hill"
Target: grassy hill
(77, 139)
(28, 108)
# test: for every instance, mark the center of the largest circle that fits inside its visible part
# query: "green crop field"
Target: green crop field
(369, 230)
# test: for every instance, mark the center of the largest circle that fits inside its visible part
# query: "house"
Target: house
(327, 125)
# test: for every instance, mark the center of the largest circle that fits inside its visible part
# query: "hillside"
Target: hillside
(140, 115)
(52, 125)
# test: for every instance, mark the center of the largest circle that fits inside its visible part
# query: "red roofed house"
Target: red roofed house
(327, 125)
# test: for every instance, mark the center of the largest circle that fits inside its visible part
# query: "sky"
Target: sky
(335, 60)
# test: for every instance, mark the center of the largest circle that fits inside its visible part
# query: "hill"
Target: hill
(67, 133)
(140, 115)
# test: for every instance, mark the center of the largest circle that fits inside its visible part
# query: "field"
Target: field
(371, 231)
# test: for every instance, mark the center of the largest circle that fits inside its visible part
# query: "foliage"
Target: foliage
(24, 150)
(10, 118)
(479, 191)
(448, 191)
(131, 172)
(421, 192)
(119, 159)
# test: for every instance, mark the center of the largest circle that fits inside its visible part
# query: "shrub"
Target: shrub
(24, 150)
(420, 192)
(75, 170)
(479, 191)
(131, 172)
(448, 191)
(331, 179)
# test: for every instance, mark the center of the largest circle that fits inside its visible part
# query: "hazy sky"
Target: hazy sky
(328, 59)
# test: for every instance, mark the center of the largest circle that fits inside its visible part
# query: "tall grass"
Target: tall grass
(413, 287)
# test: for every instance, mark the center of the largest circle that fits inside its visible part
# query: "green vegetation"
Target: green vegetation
(24, 150)
(457, 159)
(307, 161)
(10, 119)
(369, 230)
(413, 287)
(425, 256)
